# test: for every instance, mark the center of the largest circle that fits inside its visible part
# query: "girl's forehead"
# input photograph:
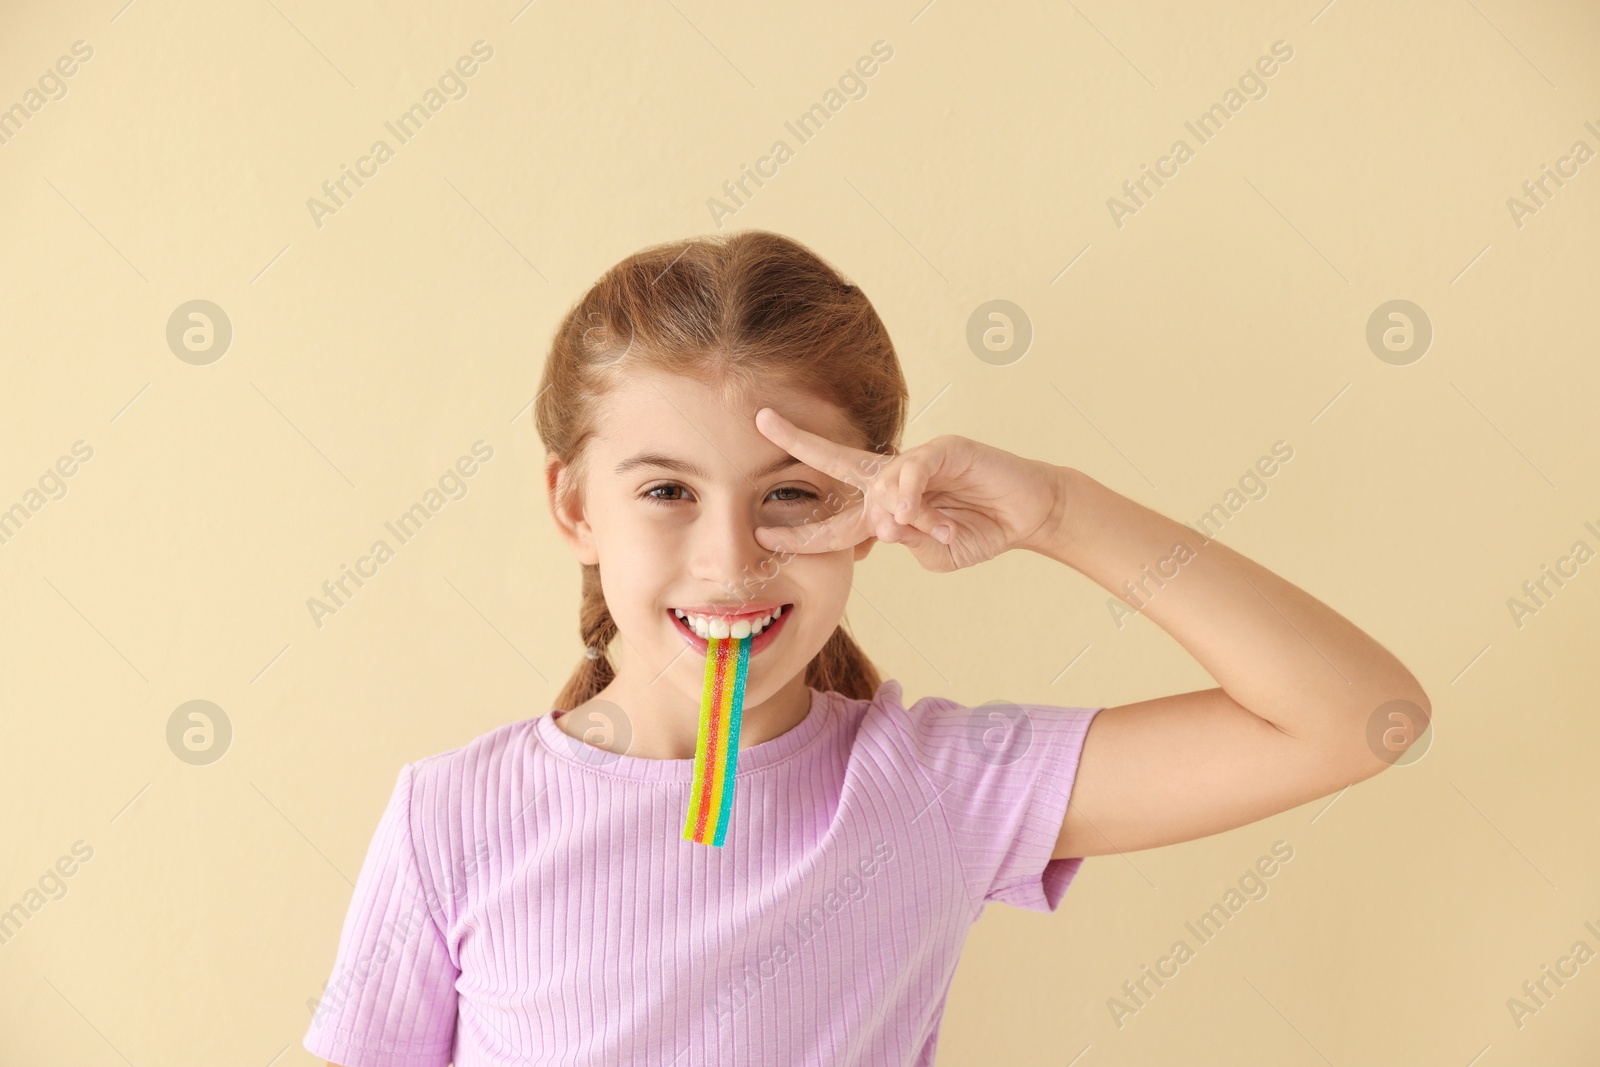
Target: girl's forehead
(653, 408)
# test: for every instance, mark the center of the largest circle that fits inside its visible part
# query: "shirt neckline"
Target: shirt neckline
(641, 768)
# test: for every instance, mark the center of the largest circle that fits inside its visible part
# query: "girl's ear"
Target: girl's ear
(567, 510)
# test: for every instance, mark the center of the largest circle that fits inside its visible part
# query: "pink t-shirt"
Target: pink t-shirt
(529, 899)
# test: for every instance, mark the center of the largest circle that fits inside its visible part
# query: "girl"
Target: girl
(720, 418)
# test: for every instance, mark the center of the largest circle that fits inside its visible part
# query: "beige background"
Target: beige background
(369, 353)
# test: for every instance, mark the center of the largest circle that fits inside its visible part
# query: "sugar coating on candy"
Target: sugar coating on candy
(716, 750)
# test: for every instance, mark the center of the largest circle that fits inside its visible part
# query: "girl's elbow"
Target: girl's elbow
(1395, 731)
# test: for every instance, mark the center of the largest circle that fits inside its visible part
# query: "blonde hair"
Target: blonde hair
(731, 311)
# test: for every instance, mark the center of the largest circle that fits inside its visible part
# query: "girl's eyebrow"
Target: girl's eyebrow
(683, 466)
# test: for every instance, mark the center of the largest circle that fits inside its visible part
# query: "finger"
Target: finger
(892, 532)
(916, 539)
(911, 508)
(831, 458)
(911, 484)
(844, 530)
(929, 523)
(911, 537)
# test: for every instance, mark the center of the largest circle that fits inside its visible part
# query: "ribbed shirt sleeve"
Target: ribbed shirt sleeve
(1002, 775)
(391, 1001)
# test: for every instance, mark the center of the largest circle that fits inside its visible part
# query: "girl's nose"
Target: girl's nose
(725, 550)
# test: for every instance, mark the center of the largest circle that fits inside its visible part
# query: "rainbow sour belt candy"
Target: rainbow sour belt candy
(716, 751)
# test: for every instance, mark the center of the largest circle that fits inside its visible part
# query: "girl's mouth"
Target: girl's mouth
(768, 634)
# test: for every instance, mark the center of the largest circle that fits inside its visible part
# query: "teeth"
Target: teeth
(707, 626)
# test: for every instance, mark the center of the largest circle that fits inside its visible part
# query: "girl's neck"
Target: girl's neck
(654, 722)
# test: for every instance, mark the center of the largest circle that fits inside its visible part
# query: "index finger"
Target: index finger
(831, 458)
(845, 529)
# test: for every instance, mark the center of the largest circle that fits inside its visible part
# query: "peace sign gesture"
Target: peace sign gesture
(953, 501)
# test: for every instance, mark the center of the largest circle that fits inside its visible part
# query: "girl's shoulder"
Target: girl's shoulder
(478, 778)
(457, 804)
(929, 719)
(490, 747)
(998, 772)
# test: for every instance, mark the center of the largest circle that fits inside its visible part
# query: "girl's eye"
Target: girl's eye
(805, 494)
(666, 501)
(650, 494)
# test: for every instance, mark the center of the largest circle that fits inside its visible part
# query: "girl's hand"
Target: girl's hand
(953, 502)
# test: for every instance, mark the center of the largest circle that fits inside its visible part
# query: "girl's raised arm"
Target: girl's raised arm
(1302, 688)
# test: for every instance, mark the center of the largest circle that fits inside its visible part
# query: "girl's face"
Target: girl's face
(676, 485)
